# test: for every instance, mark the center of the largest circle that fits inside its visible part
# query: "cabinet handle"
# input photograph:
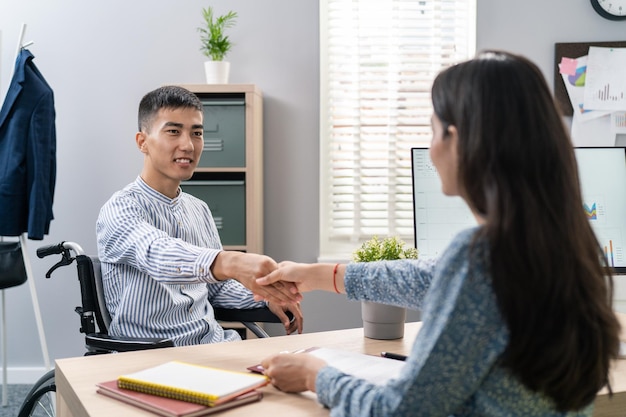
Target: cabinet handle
(213, 145)
(192, 182)
(224, 103)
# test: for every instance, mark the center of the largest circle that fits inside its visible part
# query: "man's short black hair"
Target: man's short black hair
(167, 97)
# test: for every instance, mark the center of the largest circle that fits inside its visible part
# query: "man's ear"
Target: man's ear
(140, 139)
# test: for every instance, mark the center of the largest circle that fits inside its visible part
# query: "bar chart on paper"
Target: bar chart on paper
(610, 238)
(602, 173)
(605, 85)
(606, 94)
(613, 248)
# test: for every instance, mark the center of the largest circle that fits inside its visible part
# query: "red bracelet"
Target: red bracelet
(335, 278)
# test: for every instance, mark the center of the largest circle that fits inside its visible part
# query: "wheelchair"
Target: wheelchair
(95, 321)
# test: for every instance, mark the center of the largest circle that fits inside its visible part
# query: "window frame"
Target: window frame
(337, 250)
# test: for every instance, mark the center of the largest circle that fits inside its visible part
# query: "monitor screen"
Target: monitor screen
(602, 170)
(437, 218)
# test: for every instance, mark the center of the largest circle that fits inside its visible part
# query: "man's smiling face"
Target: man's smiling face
(172, 148)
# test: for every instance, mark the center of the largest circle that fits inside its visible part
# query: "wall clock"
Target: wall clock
(610, 9)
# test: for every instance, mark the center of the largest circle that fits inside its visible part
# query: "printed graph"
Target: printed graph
(606, 94)
(612, 243)
(614, 254)
(595, 208)
(578, 78)
(605, 85)
(591, 211)
(608, 253)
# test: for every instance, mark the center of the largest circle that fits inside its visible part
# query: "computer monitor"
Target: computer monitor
(602, 171)
(437, 218)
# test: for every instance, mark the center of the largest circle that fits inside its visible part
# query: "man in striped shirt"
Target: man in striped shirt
(163, 266)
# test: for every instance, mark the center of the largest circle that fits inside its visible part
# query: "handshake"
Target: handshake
(281, 283)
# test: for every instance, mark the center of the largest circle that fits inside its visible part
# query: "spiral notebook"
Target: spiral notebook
(192, 383)
(168, 407)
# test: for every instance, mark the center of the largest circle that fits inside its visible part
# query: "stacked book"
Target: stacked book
(178, 389)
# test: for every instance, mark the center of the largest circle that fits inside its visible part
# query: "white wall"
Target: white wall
(101, 57)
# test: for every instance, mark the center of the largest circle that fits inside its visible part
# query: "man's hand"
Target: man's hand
(295, 323)
(246, 268)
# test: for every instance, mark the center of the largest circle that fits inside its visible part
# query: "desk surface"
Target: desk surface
(76, 377)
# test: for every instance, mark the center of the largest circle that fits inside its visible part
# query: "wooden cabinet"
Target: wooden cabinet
(229, 176)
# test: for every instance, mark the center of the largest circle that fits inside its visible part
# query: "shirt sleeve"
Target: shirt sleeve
(125, 236)
(370, 281)
(232, 294)
(460, 340)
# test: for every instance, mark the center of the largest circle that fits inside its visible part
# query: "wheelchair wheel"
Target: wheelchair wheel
(41, 399)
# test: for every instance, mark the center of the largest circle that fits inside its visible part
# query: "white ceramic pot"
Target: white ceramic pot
(216, 72)
(381, 321)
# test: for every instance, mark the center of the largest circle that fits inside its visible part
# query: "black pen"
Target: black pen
(395, 356)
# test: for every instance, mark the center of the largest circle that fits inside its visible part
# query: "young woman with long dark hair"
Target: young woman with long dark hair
(517, 316)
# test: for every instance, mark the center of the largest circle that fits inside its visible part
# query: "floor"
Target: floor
(16, 394)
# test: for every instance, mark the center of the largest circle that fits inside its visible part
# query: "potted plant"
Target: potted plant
(216, 44)
(382, 321)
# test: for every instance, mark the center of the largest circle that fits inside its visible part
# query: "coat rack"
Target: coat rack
(28, 268)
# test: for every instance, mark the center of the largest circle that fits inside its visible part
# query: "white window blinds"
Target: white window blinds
(378, 61)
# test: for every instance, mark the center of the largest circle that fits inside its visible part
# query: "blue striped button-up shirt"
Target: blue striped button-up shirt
(156, 253)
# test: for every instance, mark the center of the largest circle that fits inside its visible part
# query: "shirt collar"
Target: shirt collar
(162, 198)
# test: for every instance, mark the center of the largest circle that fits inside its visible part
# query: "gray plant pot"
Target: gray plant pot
(382, 321)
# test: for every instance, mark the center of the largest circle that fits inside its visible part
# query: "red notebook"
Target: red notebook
(169, 407)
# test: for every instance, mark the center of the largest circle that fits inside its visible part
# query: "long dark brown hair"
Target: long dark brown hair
(517, 168)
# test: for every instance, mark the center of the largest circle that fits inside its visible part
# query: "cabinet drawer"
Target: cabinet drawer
(227, 201)
(224, 133)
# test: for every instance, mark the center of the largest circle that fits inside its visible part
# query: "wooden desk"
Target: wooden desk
(76, 377)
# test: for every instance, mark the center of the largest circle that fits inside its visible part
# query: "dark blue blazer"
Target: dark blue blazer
(27, 152)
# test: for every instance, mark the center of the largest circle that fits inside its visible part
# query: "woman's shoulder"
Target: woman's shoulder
(467, 255)
(465, 240)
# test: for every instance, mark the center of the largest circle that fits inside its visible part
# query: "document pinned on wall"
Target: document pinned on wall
(618, 122)
(590, 86)
(605, 84)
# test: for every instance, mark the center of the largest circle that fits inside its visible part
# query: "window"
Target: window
(378, 60)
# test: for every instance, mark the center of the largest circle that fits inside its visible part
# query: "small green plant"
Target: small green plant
(215, 44)
(388, 249)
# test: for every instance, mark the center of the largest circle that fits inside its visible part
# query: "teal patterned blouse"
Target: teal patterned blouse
(453, 367)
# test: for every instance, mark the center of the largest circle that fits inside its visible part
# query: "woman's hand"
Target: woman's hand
(293, 372)
(246, 268)
(290, 326)
(306, 277)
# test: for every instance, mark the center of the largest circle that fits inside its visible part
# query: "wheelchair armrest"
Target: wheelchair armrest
(249, 317)
(261, 314)
(104, 342)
